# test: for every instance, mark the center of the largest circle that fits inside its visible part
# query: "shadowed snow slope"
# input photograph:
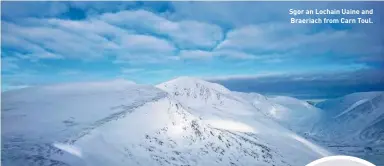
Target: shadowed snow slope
(191, 122)
(354, 125)
(356, 118)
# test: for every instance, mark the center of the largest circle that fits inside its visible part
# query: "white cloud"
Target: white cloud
(86, 39)
(35, 51)
(91, 25)
(34, 57)
(195, 54)
(45, 41)
(144, 37)
(125, 43)
(142, 44)
(258, 38)
(298, 39)
(227, 53)
(235, 54)
(185, 34)
(229, 13)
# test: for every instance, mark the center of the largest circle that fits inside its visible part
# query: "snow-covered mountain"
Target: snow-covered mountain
(206, 98)
(290, 112)
(185, 121)
(356, 118)
(353, 125)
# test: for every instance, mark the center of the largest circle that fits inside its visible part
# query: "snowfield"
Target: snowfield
(185, 121)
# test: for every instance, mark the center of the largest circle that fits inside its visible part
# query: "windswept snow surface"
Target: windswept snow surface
(185, 121)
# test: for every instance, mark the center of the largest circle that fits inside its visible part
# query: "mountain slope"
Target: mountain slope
(353, 125)
(353, 116)
(234, 110)
(122, 123)
(297, 114)
(35, 118)
(291, 113)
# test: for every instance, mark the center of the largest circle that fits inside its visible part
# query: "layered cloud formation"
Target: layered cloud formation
(150, 42)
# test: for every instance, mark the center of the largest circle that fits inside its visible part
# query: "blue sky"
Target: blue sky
(246, 46)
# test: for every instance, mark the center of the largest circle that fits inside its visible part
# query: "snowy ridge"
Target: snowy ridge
(338, 105)
(38, 117)
(185, 121)
(353, 106)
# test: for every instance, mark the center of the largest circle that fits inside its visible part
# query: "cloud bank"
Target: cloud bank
(151, 42)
